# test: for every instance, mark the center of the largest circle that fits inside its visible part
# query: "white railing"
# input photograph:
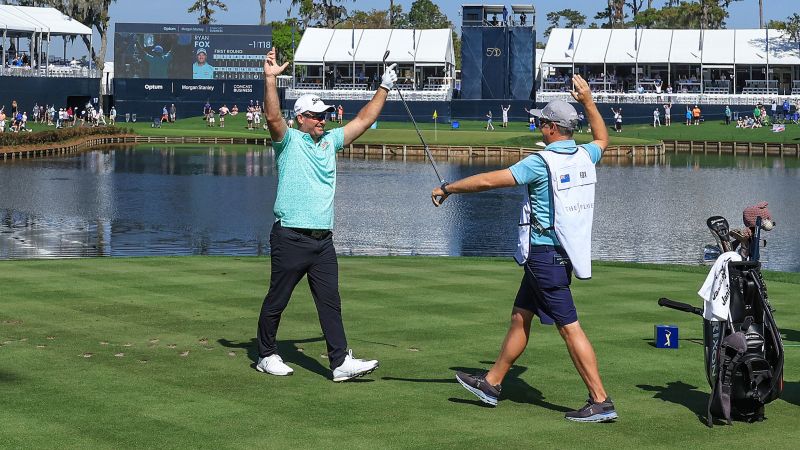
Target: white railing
(360, 94)
(51, 71)
(705, 99)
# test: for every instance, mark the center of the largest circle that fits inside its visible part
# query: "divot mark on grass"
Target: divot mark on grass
(103, 343)
(184, 354)
(300, 349)
(50, 338)
(119, 355)
(12, 322)
(413, 349)
(323, 356)
(203, 341)
(143, 361)
(231, 353)
(87, 355)
(41, 346)
(171, 346)
(154, 341)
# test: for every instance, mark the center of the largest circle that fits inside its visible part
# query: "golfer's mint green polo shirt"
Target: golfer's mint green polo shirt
(307, 178)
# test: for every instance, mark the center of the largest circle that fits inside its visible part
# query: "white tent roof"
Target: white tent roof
(433, 45)
(402, 46)
(372, 46)
(751, 47)
(685, 47)
(425, 47)
(558, 49)
(718, 47)
(47, 20)
(622, 47)
(312, 47)
(652, 48)
(782, 50)
(594, 49)
(343, 45)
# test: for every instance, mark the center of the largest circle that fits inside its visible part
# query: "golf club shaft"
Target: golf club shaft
(424, 145)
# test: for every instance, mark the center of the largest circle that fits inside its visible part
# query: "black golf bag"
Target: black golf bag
(743, 355)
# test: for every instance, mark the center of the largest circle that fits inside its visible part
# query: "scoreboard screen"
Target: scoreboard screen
(200, 52)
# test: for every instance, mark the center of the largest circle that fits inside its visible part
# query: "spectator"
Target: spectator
(164, 114)
(2, 120)
(223, 112)
(113, 115)
(728, 115)
(523, 19)
(489, 126)
(249, 118)
(787, 108)
(211, 119)
(234, 110)
(173, 113)
(617, 119)
(339, 113)
(505, 112)
(656, 118)
(757, 114)
(696, 113)
(668, 114)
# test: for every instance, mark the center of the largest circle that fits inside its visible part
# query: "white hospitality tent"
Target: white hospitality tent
(38, 25)
(354, 58)
(757, 61)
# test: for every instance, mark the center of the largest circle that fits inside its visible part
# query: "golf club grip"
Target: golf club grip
(685, 307)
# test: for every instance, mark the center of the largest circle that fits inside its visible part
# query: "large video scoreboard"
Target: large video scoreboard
(185, 52)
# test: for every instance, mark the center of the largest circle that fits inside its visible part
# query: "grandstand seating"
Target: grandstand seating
(796, 87)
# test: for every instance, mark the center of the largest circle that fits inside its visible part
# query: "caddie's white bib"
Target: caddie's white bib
(572, 181)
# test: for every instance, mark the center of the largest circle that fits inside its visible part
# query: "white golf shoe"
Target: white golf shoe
(353, 367)
(273, 365)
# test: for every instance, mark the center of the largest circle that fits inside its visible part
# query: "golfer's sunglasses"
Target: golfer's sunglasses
(316, 116)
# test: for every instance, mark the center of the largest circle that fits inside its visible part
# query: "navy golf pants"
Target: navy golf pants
(293, 255)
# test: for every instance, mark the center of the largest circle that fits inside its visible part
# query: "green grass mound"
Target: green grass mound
(158, 353)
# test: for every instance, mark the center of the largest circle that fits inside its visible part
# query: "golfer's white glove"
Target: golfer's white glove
(389, 77)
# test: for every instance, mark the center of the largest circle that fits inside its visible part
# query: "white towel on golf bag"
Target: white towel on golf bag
(572, 180)
(716, 290)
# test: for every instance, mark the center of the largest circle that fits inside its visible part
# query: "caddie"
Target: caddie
(555, 233)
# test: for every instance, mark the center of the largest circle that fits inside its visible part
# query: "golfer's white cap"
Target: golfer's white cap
(311, 102)
(559, 112)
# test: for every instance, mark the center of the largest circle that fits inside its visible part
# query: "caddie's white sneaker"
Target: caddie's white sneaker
(353, 367)
(274, 365)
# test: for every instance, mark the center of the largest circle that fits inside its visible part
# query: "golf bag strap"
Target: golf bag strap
(716, 386)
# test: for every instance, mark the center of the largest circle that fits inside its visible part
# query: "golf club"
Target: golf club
(424, 145)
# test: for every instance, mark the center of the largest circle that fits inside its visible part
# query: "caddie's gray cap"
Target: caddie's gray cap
(559, 112)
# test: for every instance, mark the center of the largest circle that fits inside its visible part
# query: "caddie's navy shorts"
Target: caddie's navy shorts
(544, 289)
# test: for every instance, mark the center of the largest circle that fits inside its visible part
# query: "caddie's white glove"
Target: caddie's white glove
(389, 77)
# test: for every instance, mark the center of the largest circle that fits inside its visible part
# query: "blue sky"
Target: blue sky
(743, 14)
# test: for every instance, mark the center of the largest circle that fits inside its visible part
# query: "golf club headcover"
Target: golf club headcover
(751, 213)
(389, 77)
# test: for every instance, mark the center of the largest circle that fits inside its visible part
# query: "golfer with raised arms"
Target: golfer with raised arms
(554, 240)
(301, 239)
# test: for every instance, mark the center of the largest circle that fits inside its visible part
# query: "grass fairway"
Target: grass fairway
(157, 353)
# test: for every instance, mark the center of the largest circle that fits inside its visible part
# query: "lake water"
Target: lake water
(214, 200)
